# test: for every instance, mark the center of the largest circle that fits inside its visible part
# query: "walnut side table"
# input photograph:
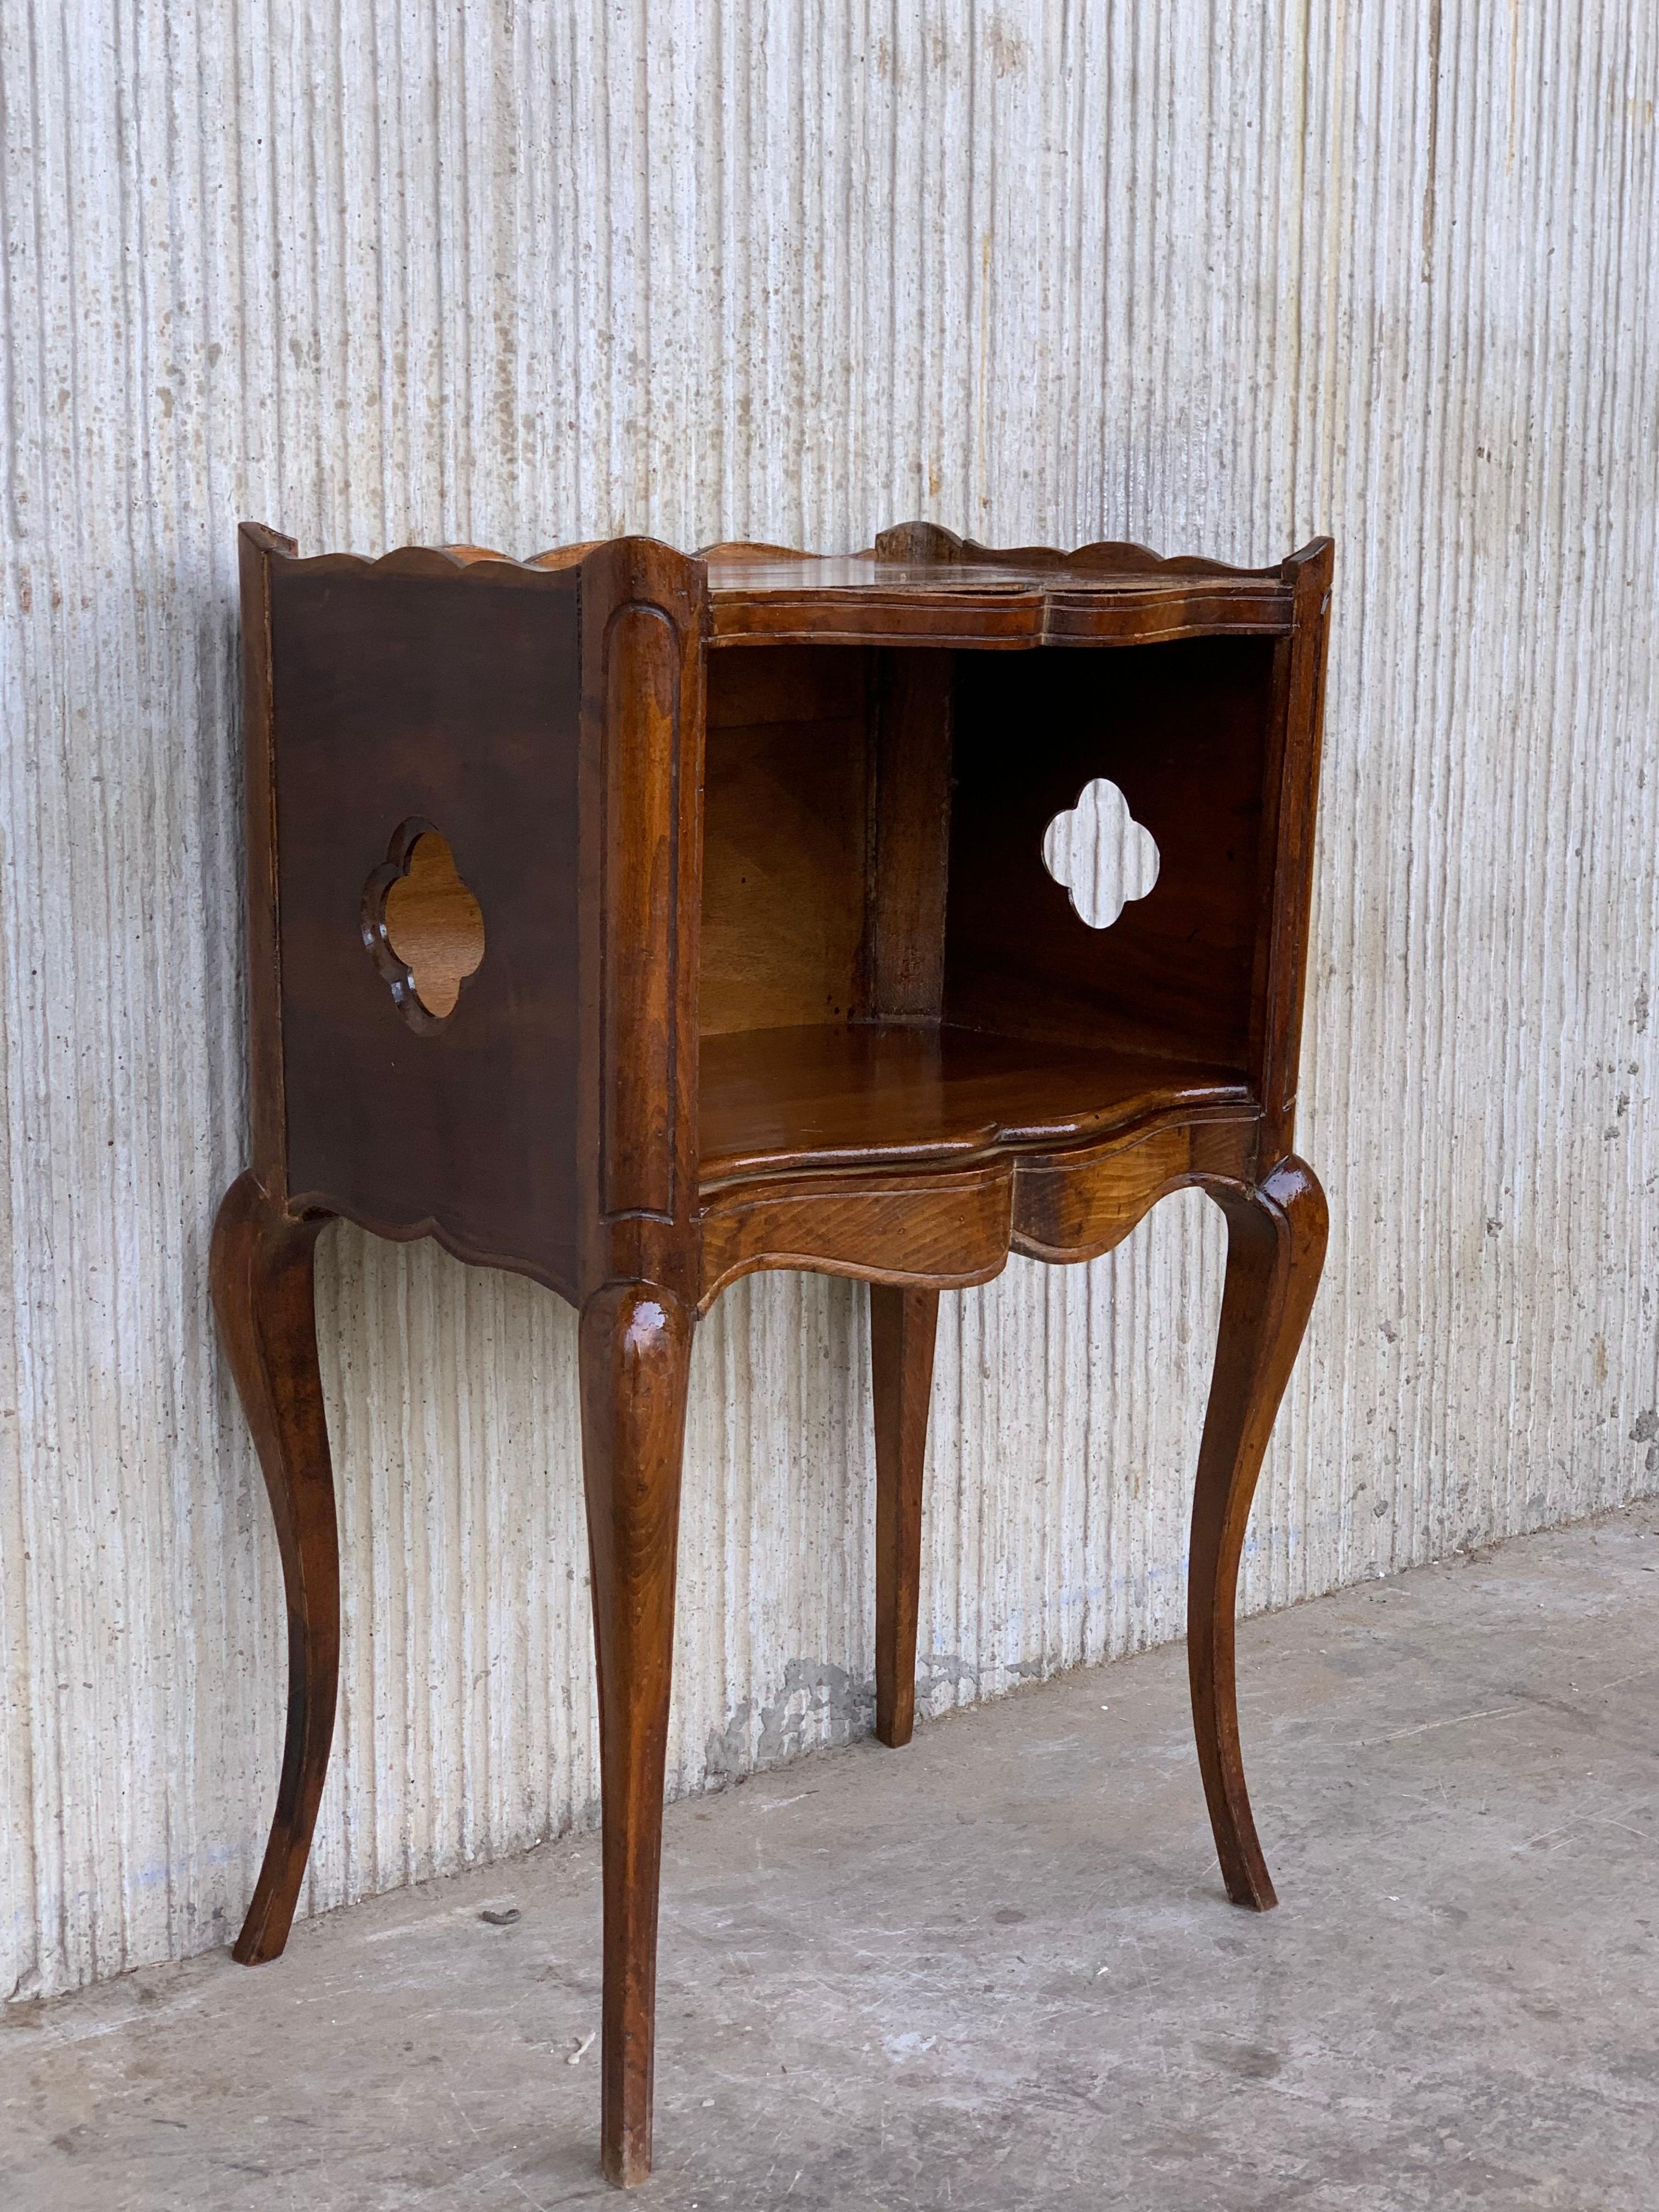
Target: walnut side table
(635, 920)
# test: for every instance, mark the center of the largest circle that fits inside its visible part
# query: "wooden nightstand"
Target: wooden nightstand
(635, 920)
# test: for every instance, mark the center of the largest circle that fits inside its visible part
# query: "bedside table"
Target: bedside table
(634, 920)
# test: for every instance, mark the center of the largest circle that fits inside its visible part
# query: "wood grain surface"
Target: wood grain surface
(634, 963)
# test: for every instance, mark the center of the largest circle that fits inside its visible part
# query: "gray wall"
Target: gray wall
(1214, 277)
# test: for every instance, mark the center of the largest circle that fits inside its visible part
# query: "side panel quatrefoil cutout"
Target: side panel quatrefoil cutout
(1100, 854)
(422, 924)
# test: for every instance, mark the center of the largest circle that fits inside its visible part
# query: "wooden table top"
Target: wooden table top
(1105, 594)
(759, 596)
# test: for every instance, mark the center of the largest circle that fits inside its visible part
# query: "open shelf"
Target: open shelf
(779, 1101)
(890, 976)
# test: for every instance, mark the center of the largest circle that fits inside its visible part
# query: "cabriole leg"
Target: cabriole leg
(636, 1352)
(902, 1326)
(1275, 1249)
(264, 1295)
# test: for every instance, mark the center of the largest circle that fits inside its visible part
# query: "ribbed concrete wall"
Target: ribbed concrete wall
(1212, 275)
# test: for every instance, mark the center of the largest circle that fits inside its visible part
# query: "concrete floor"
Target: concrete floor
(997, 1970)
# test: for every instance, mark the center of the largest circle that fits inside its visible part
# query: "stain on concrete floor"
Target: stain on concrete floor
(997, 1970)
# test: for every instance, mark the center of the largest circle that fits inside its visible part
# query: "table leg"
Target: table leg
(636, 1353)
(902, 1326)
(1275, 1249)
(263, 1295)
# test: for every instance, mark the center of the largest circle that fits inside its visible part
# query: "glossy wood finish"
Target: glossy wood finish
(263, 1297)
(1275, 1248)
(636, 1353)
(932, 1226)
(415, 696)
(1295, 726)
(777, 1101)
(635, 922)
(1078, 1203)
(860, 600)
(431, 924)
(903, 1325)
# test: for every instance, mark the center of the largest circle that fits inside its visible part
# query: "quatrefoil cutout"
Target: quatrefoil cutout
(1100, 854)
(423, 925)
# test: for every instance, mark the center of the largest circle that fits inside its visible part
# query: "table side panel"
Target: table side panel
(1182, 730)
(1290, 810)
(455, 700)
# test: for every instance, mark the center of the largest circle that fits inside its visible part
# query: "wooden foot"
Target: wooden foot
(903, 1325)
(263, 1295)
(636, 1352)
(1275, 1249)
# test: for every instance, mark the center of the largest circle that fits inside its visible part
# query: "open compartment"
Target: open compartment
(891, 970)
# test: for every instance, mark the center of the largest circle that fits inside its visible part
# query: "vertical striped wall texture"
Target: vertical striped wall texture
(1210, 274)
